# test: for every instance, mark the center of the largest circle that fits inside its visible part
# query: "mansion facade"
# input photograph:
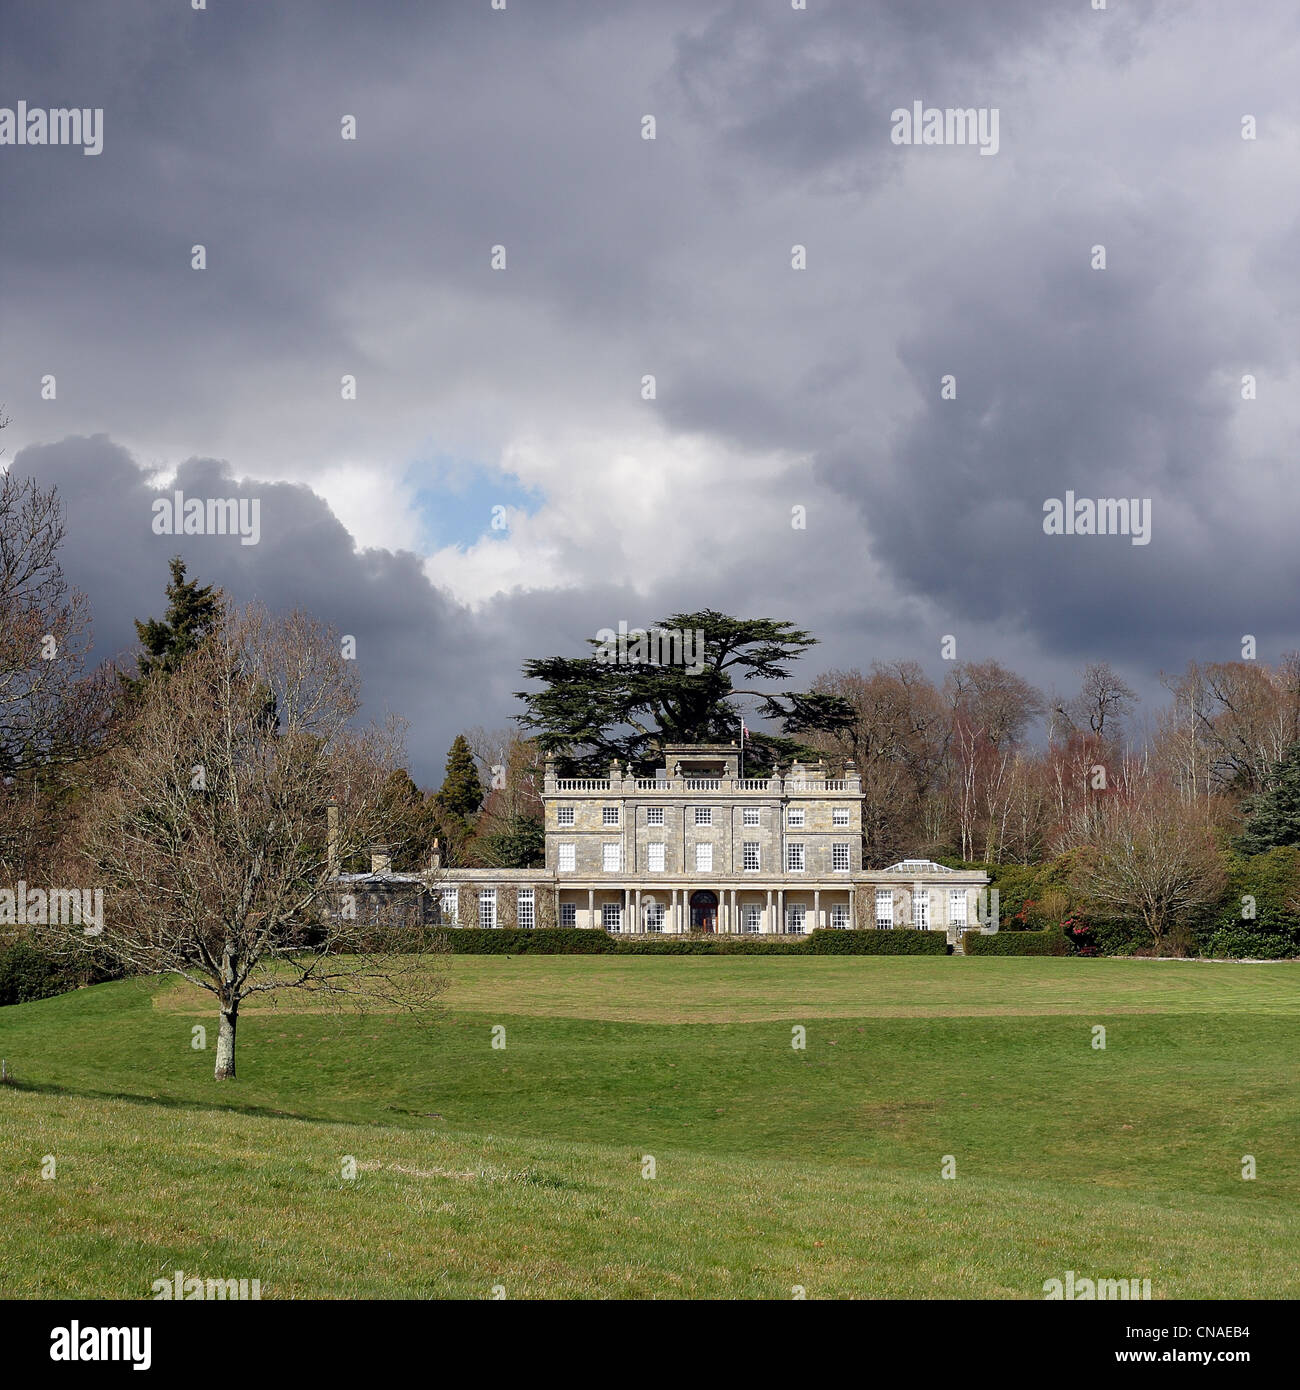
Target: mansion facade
(698, 848)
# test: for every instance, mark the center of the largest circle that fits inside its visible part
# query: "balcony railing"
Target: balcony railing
(664, 786)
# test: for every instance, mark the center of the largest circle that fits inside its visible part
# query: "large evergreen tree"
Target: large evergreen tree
(461, 793)
(193, 613)
(1273, 815)
(594, 709)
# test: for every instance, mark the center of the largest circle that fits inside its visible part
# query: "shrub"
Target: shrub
(1245, 941)
(899, 942)
(708, 945)
(506, 941)
(1016, 943)
(27, 973)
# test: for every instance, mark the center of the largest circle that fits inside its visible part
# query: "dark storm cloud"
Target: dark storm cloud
(672, 257)
(410, 638)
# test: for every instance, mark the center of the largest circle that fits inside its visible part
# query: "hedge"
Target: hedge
(512, 941)
(1016, 943)
(902, 941)
(480, 941)
(27, 973)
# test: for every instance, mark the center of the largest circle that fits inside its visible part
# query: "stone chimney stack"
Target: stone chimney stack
(381, 862)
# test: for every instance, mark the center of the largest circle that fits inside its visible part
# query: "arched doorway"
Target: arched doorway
(704, 911)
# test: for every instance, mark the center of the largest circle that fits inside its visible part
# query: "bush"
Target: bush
(513, 941)
(901, 941)
(1017, 943)
(708, 945)
(476, 941)
(27, 973)
(1271, 883)
(1247, 942)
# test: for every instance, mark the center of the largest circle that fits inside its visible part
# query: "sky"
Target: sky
(863, 446)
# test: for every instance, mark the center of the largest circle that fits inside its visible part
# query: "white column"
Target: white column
(817, 908)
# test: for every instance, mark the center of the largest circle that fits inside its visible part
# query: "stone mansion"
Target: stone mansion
(697, 848)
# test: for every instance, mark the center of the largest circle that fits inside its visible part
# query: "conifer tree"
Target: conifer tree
(193, 613)
(461, 793)
(1273, 815)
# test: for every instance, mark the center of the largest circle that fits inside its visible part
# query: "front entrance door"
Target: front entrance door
(704, 911)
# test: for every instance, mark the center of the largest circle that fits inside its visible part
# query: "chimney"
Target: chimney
(381, 862)
(435, 857)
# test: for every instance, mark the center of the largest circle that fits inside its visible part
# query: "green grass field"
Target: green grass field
(775, 1168)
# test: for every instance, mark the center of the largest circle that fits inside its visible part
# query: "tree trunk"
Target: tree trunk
(225, 1069)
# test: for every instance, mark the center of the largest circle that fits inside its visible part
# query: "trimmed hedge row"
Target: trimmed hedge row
(1016, 943)
(480, 941)
(902, 941)
(514, 941)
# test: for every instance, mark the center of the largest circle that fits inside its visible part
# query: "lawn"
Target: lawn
(775, 1167)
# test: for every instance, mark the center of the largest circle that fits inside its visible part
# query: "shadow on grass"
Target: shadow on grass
(175, 1102)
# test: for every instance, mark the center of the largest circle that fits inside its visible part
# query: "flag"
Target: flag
(744, 733)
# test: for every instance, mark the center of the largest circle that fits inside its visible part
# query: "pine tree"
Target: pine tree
(461, 793)
(1273, 816)
(193, 613)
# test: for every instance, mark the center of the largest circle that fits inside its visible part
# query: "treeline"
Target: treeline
(487, 814)
(1180, 834)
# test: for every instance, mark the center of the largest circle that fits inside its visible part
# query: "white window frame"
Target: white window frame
(840, 916)
(568, 914)
(611, 913)
(796, 914)
(921, 910)
(885, 899)
(958, 908)
(611, 857)
(795, 817)
(756, 856)
(750, 817)
(487, 909)
(654, 815)
(704, 859)
(609, 817)
(567, 859)
(526, 907)
(656, 853)
(840, 815)
(751, 916)
(654, 917)
(449, 907)
(841, 850)
(796, 860)
(704, 815)
(564, 815)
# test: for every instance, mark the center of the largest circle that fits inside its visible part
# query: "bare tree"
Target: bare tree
(52, 715)
(1103, 699)
(1146, 856)
(210, 829)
